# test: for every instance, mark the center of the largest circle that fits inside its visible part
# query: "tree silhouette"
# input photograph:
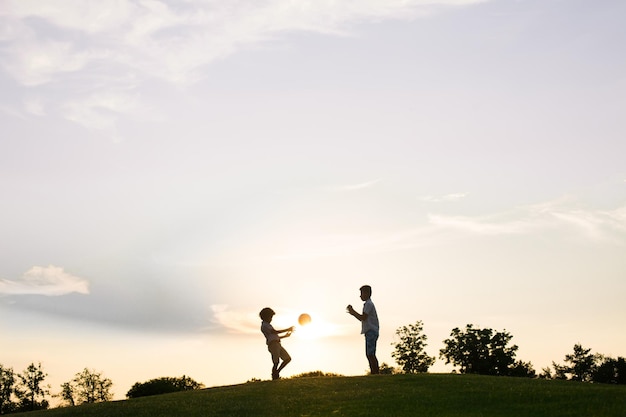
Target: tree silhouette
(162, 386)
(87, 387)
(611, 371)
(7, 381)
(409, 351)
(29, 391)
(483, 351)
(583, 363)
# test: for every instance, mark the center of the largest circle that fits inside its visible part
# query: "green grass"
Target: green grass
(441, 395)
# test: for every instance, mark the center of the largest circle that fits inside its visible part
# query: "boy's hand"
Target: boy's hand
(349, 309)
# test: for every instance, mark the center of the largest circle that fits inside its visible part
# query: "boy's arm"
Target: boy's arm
(359, 317)
(290, 329)
(287, 331)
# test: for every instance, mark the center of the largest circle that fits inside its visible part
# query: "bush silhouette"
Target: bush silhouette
(162, 385)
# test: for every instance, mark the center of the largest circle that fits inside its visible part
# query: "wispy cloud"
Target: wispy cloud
(354, 187)
(172, 41)
(589, 224)
(235, 321)
(50, 281)
(573, 223)
(100, 111)
(99, 43)
(444, 198)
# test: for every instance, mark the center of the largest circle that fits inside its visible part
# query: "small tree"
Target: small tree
(560, 371)
(546, 373)
(67, 393)
(87, 387)
(483, 351)
(409, 351)
(29, 391)
(611, 371)
(7, 381)
(583, 363)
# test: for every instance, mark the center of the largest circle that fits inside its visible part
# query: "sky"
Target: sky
(169, 168)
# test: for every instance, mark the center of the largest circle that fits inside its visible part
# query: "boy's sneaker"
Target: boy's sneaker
(275, 375)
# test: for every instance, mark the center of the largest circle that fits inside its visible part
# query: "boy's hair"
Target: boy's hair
(266, 314)
(366, 289)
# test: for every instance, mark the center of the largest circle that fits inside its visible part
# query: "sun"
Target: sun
(314, 328)
(309, 331)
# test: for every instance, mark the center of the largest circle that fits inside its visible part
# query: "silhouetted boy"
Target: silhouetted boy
(369, 326)
(272, 338)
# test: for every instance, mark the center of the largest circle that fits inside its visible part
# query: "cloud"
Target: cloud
(83, 49)
(100, 111)
(172, 41)
(587, 224)
(569, 222)
(354, 187)
(445, 198)
(235, 321)
(49, 281)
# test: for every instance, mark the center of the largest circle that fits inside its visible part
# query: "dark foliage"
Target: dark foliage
(581, 365)
(162, 385)
(315, 374)
(409, 351)
(87, 386)
(30, 391)
(385, 369)
(611, 371)
(484, 352)
(7, 382)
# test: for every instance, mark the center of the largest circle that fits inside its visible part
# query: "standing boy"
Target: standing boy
(272, 338)
(369, 326)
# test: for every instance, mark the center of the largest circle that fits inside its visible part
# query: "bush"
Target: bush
(162, 385)
(314, 374)
(611, 371)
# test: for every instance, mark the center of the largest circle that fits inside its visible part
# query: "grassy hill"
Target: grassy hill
(441, 395)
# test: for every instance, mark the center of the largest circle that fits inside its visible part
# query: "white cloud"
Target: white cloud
(50, 281)
(175, 41)
(587, 224)
(354, 187)
(444, 198)
(234, 321)
(86, 47)
(571, 223)
(100, 111)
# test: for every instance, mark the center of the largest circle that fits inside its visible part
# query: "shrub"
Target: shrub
(162, 385)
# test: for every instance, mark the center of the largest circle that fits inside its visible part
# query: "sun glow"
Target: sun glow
(316, 328)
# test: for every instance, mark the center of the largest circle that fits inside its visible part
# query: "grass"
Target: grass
(441, 395)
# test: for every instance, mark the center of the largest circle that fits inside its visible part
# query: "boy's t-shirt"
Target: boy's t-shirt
(371, 323)
(269, 332)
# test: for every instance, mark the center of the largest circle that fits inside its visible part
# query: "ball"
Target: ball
(304, 319)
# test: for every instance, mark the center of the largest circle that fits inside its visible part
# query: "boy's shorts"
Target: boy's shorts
(278, 351)
(371, 337)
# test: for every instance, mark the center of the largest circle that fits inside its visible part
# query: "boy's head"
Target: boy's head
(266, 314)
(366, 292)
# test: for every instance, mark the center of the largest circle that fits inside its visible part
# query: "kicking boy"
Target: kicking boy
(272, 338)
